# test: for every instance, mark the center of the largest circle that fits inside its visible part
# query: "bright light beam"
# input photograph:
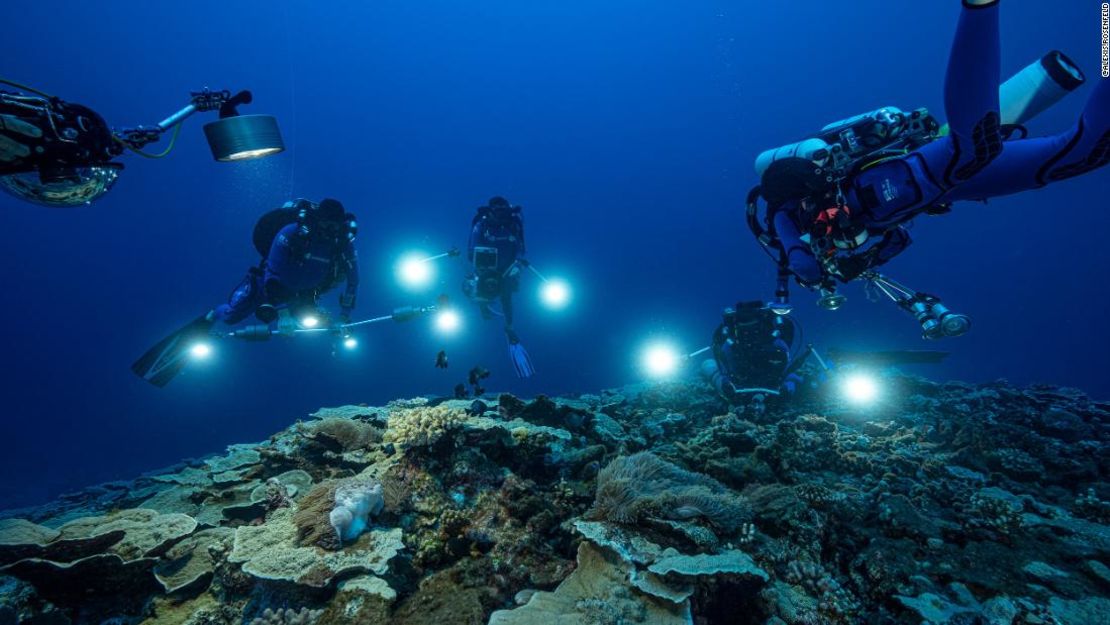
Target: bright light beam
(660, 360)
(555, 294)
(415, 271)
(310, 321)
(860, 389)
(200, 351)
(350, 342)
(448, 321)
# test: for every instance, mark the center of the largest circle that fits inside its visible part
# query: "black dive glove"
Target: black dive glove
(849, 268)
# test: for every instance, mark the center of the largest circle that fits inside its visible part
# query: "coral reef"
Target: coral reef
(632, 488)
(313, 517)
(355, 502)
(424, 425)
(651, 504)
(288, 616)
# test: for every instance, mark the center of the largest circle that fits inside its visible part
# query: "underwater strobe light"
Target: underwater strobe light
(860, 389)
(233, 137)
(448, 321)
(200, 351)
(660, 360)
(555, 294)
(243, 137)
(350, 342)
(415, 271)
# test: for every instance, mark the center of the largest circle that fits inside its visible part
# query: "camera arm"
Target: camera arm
(199, 102)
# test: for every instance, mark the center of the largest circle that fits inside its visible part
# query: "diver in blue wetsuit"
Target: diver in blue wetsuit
(753, 354)
(838, 204)
(308, 249)
(496, 252)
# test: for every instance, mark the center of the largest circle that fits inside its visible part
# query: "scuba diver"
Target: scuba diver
(754, 354)
(307, 250)
(758, 355)
(838, 203)
(59, 153)
(496, 253)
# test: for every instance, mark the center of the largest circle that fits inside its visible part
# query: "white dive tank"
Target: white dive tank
(840, 140)
(1024, 96)
(812, 149)
(1040, 85)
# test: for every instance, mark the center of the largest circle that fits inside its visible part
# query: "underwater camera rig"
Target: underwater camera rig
(936, 320)
(65, 152)
(232, 137)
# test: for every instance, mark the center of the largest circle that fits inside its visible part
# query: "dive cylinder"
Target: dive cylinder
(1036, 88)
(838, 145)
(811, 149)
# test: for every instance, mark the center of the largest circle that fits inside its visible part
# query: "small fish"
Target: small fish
(477, 374)
(461, 392)
(441, 360)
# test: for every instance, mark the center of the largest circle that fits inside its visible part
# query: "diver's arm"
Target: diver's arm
(798, 255)
(893, 243)
(282, 254)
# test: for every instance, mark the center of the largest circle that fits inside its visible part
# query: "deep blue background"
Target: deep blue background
(627, 130)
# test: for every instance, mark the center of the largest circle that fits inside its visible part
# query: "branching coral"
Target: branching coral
(996, 513)
(423, 426)
(632, 488)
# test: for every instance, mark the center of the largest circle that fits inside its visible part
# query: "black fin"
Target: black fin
(164, 361)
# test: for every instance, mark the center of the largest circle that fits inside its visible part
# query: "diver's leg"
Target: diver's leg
(1032, 163)
(507, 307)
(242, 301)
(971, 95)
(1088, 147)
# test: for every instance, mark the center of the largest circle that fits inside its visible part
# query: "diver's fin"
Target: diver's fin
(164, 361)
(521, 361)
(889, 358)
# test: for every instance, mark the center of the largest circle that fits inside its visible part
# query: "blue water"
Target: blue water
(626, 130)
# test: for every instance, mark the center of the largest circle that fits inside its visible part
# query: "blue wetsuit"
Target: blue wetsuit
(971, 163)
(506, 235)
(299, 267)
